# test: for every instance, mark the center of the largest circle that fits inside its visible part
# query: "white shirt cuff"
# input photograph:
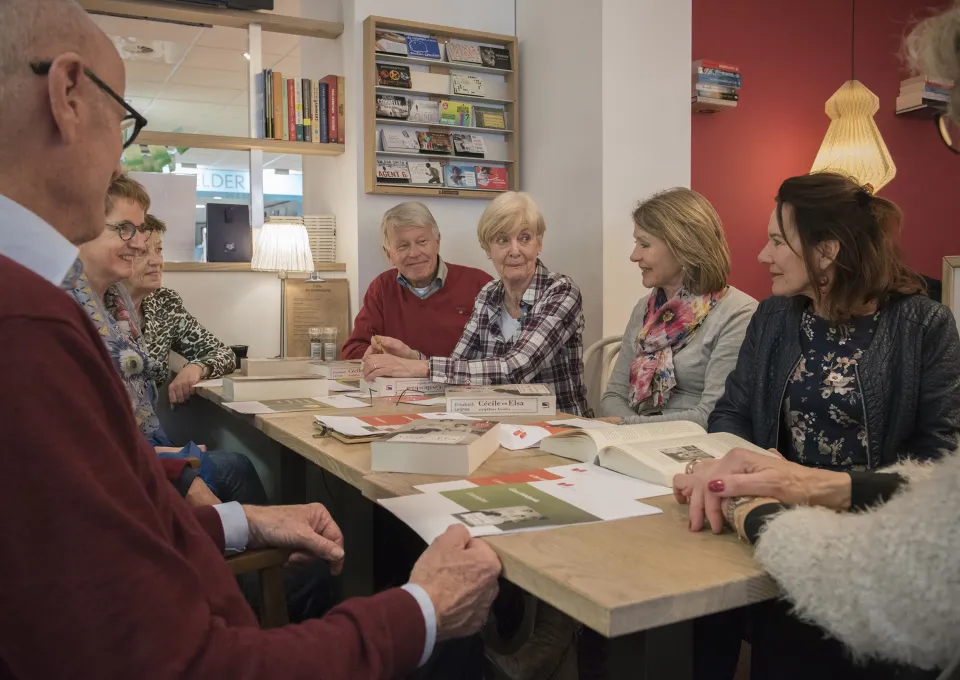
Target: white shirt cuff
(429, 617)
(236, 531)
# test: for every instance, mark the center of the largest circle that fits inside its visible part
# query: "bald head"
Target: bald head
(60, 142)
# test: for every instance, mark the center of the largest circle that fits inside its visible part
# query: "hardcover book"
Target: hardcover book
(425, 48)
(394, 387)
(257, 367)
(488, 400)
(338, 370)
(459, 51)
(249, 388)
(402, 141)
(495, 57)
(490, 118)
(467, 85)
(392, 172)
(392, 106)
(456, 113)
(469, 145)
(390, 75)
(426, 173)
(438, 447)
(434, 142)
(423, 111)
(391, 43)
(492, 178)
(461, 176)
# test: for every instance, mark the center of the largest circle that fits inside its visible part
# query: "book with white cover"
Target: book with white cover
(402, 141)
(652, 452)
(424, 111)
(258, 367)
(437, 447)
(392, 387)
(488, 400)
(260, 388)
(338, 370)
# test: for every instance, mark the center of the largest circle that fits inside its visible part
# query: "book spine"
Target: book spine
(284, 122)
(494, 406)
(341, 111)
(720, 66)
(298, 108)
(324, 123)
(332, 108)
(291, 111)
(268, 111)
(260, 103)
(710, 94)
(315, 110)
(279, 112)
(720, 89)
(307, 110)
(713, 79)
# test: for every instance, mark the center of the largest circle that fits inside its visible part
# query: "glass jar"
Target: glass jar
(323, 343)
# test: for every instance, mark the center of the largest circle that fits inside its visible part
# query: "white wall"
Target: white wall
(562, 161)
(646, 51)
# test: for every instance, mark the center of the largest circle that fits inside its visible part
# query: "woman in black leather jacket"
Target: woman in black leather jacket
(849, 368)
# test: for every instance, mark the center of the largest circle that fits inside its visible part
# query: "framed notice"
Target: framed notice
(306, 305)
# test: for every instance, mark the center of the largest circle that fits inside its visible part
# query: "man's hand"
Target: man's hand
(200, 494)
(398, 348)
(184, 385)
(459, 574)
(389, 366)
(307, 530)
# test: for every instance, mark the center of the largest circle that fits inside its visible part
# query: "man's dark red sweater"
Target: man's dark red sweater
(431, 326)
(106, 572)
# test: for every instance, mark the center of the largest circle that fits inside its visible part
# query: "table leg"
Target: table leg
(664, 653)
(293, 478)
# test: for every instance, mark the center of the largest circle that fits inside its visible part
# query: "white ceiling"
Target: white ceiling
(195, 79)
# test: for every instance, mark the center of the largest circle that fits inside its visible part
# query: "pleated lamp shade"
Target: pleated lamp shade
(283, 246)
(853, 145)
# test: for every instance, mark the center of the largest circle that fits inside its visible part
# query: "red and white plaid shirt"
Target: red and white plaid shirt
(547, 349)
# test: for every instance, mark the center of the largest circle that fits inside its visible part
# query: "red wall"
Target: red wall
(793, 56)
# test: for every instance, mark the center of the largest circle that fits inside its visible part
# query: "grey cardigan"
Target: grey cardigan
(701, 366)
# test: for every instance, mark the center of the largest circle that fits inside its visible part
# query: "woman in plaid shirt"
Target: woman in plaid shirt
(526, 327)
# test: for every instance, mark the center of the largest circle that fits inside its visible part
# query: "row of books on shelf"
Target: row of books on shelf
(464, 84)
(300, 109)
(443, 112)
(715, 85)
(425, 47)
(442, 174)
(923, 91)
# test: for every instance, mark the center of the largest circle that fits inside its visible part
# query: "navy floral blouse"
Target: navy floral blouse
(823, 405)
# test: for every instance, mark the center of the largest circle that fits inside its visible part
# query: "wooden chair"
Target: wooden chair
(604, 363)
(269, 565)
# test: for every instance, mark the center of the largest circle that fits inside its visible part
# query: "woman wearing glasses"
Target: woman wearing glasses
(107, 261)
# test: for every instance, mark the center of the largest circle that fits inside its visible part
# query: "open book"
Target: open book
(653, 452)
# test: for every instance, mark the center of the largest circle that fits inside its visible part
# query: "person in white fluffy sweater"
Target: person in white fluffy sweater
(872, 558)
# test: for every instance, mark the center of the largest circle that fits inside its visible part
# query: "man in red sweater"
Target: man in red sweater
(423, 301)
(106, 571)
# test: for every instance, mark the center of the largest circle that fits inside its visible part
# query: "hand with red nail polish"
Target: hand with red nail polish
(716, 486)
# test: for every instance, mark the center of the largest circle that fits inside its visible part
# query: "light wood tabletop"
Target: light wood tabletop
(616, 577)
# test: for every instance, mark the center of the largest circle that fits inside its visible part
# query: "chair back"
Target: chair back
(598, 361)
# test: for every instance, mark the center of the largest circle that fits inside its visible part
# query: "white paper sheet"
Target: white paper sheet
(342, 401)
(248, 407)
(216, 382)
(517, 437)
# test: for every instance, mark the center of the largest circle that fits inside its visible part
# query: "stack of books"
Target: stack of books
(300, 109)
(923, 92)
(715, 86)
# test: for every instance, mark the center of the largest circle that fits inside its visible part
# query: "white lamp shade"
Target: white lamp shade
(283, 247)
(853, 145)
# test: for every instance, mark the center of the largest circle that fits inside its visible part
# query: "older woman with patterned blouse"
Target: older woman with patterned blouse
(167, 325)
(526, 327)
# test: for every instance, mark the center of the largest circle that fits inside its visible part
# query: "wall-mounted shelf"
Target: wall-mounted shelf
(241, 267)
(922, 111)
(506, 85)
(214, 16)
(384, 58)
(439, 127)
(445, 157)
(455, 97)
(182, 139)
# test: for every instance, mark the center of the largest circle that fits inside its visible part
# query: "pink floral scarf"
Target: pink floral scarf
(665, 331)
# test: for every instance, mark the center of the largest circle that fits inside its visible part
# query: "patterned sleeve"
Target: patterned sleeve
(470, 344)
(554, 318)
(195, 343)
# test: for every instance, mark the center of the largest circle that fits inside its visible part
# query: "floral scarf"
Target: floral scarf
(666, 330)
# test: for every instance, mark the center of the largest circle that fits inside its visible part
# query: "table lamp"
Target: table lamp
(283, 247)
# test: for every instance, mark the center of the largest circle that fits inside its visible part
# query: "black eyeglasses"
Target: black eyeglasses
(132, 123)
(949, 131)
(125, 230)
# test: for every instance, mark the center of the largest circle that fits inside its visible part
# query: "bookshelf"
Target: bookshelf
(185, 140)
(502, 84)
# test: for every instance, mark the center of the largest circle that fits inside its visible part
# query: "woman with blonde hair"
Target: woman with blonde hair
(681, 250)
(526, 326)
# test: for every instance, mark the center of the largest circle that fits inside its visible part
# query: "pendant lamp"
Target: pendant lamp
(853, 145)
